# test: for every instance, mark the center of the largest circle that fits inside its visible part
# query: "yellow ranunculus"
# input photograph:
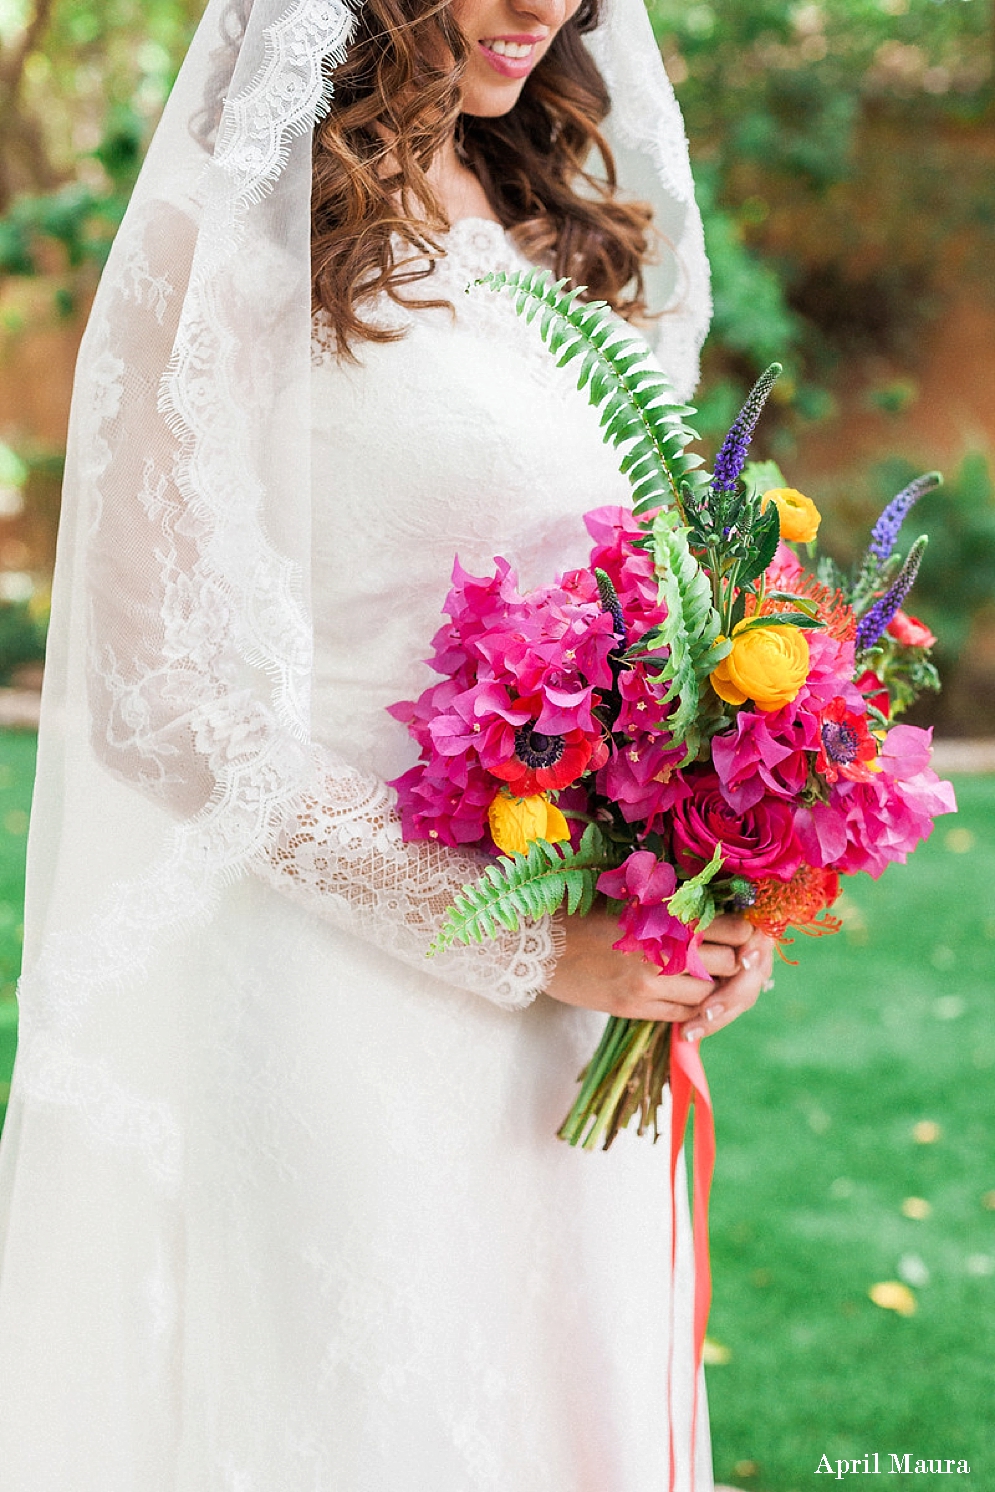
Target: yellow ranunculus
(517, 822)
(800, 518)
(767, 664)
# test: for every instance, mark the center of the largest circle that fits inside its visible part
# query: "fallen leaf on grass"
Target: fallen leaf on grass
(892, 1295)
(916, 1207)
(746, 1468)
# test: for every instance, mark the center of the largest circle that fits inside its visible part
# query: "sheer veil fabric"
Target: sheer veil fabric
(177, 771)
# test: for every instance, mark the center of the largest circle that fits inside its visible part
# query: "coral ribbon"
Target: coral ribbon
(688, 1085)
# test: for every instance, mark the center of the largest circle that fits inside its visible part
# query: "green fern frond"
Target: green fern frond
(690, 631)
(638, 408)
(517, 888)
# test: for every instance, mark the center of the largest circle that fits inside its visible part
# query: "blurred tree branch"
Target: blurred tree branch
(22, 143)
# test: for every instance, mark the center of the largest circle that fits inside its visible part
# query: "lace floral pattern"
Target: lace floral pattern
(342, 855)
(209, 707)
(281, 1201)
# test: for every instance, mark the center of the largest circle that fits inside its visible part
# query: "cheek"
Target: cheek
(466, 13)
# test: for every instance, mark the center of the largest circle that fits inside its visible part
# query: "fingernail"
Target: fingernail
(692, 1033)
(750, 958)
(714, 1010)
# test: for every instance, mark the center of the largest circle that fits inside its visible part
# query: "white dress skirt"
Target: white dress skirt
(383, 1272)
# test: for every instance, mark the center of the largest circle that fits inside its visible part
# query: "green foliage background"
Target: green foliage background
(799, 116)
(787, 105)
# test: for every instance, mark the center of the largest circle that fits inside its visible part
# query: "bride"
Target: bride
(282, 1205)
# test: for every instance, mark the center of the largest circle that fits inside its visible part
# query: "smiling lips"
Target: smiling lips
(511, 56)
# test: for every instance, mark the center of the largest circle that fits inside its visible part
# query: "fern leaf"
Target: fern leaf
(690, 630)
(518, 888)
(637, 406)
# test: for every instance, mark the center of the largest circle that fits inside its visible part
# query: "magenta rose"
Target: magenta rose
(758, 841)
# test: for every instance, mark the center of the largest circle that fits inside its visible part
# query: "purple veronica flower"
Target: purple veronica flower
(873, 623)
(731, 459)
(884, 534)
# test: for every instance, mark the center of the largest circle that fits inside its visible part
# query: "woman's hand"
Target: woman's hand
(592, 974)
(738, 991)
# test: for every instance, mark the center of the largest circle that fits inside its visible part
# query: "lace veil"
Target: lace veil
(175, 731)
(178, 784)
(176, 773)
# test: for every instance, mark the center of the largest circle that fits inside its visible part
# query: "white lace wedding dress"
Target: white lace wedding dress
(383, 1271)
(494, 1307)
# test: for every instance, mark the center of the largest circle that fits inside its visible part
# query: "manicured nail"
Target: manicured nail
(750, 958)
(693, 1033)
(714, 1011)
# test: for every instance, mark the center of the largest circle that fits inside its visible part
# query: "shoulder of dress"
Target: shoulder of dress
(477, 246)
(473, 248)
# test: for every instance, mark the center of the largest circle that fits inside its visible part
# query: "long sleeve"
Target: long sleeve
(340, 853)
(173, 708)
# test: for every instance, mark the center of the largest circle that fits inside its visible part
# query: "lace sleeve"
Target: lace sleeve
(170, 713)
(341, 854)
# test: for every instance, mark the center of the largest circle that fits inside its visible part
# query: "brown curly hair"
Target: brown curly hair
(394, 107)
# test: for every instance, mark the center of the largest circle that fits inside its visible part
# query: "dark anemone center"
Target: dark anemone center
(840, 741)
(537, 750)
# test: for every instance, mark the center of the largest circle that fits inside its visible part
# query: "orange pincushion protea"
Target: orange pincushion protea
(830, 606)
(796, 903)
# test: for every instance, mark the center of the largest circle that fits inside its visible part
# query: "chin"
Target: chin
(489, 101)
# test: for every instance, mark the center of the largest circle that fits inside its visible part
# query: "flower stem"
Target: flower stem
(610, 1047)
(642, 1037)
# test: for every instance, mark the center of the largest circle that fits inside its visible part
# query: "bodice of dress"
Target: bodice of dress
(461, 438)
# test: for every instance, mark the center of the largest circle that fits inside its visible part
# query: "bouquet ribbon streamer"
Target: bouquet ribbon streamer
(689, 1086)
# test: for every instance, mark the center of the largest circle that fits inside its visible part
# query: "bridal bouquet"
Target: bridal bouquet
(697, 721)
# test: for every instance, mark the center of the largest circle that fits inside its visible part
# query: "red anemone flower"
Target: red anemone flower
(845, 744)
(543, 764)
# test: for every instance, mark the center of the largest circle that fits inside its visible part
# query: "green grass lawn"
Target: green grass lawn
(818, 1095)
(17, 767)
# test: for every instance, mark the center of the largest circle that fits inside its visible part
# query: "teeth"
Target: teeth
(508, 48)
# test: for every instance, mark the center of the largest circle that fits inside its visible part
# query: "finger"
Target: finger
(682, 991)
(728, 928)
(736, 996)
(674, 1015)
(757, 953)
(719, 959)
(713, 1017)
(673, 1000)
